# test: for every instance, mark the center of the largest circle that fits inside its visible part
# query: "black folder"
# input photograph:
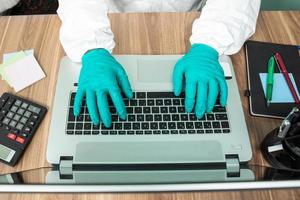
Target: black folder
(257, 56)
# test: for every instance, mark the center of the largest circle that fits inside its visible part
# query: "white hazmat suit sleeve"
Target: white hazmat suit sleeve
(223, 25)
(226, 25)
(85, 26)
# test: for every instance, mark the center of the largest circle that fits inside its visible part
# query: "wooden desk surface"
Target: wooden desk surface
(161, 33)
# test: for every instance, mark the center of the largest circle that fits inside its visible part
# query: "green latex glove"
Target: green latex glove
(204, 79)
(100, 76)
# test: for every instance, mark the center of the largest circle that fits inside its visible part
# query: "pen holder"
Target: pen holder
(284, 152)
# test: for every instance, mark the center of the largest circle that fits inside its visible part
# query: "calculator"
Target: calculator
(19, 120)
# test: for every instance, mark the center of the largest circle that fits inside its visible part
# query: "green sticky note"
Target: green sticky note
(13, 59)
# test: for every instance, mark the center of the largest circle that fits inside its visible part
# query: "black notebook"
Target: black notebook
(257, 56)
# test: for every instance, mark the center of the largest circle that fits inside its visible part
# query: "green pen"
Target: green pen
(270, 80)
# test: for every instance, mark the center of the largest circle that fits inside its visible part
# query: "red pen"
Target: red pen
(283, 70)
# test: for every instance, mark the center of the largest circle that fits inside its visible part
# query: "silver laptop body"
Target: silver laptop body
(146, 73)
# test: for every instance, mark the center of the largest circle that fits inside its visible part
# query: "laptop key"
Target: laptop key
(146, 110)
(216, 125)
(180, 125)
(145, 125)
(172, 109)
(78, 126)
(208, 131)
(207, 125)
(165, 132)
(87, 126)
(118, 126)
(149, 117)
(210, 117)
(226, 130)
(219, 109)
(113, 132)
(182, 132)
(87, 132)
(130, 132)
(175, 117)
(191, 131)
(153, 125)
(127, 126)
(184, 117)
(221, 117)
(167, 102)
(148, 132)
(198, 125)
(70, 132)
(181, 109)
(157, 132)
(162, 125)
(104, 132)
(70, 126)
(136, 126)
(150, 102)
(166, 117)
(141, 95)
(157, 118)
(159, 102)
(189, 125)
(200, 131)
(176, 102)
(155, 109)
(217, 131)
(95, 132)
(142, 102)
(225, 124)
(139, 132)
(129, 110)
(174, 131)
(137, 110)
(133, 102)
(78, 132)
(131, 118)
(171, 125)
(140, 118)
(122, 132)
(164, 109)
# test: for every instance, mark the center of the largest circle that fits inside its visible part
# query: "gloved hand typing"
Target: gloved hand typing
(100, 76)
(204, 79)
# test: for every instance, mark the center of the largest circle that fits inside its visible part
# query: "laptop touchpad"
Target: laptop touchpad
(151, 71)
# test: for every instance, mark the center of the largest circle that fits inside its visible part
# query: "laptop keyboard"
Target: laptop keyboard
(150, 113)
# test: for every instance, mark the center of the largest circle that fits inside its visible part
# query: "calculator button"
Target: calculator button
(18, 103)
(35, 117)
(14, 108)
(3, 112)
(27, 129)
(13, 123)
(24, 120)
(17, 117)
(27, 114)
(34, 109)
(24, 135)
(6, 121)
(31, 123)
(11, 136)
(20, 140)
(10, 114)
(24, 105)
(19, 126)
(21, 111)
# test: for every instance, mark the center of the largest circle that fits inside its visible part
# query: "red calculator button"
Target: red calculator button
(20, 140)
(11, 136)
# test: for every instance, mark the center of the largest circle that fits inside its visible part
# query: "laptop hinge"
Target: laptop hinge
(66, 167)
(232, 165)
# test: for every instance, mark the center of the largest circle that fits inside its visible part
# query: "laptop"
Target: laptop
(157, 131)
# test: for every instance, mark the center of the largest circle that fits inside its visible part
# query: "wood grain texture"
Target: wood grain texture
(160, 33)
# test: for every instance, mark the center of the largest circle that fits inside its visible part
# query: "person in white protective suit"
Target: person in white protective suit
(86, 36)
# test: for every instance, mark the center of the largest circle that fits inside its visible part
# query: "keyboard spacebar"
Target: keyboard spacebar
(160, 95)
